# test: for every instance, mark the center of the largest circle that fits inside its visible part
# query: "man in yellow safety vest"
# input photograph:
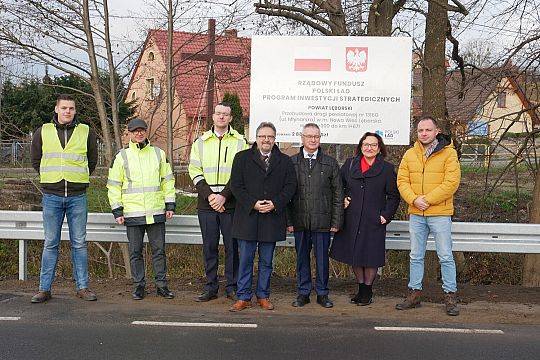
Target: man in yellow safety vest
(142, 196)
(64, 153)
(210, 167)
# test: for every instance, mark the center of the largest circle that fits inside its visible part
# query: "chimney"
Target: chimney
(232, 33)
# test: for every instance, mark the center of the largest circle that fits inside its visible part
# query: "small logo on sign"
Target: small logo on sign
(356, 59)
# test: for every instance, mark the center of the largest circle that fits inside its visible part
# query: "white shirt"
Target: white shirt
(306, 156)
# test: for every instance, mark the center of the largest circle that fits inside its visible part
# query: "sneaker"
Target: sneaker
(86, 294)
(41, 297)
(411, 301)
(450, 302)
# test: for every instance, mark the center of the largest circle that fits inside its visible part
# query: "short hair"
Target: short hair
(265, 124)
(226, 104)
(382, 147)
(427, 117)
(311, 125)
(66, 97)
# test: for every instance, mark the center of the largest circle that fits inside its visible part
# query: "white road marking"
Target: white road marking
(194, 324)
(9, 318)
(442, 330)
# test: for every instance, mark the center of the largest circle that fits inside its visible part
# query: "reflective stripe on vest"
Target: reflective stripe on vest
(217, 171)
(142, 194)
(69, 163)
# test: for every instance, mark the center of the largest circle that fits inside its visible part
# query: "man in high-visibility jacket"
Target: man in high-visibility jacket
(142, 197)
(210, 167)
(64, 153)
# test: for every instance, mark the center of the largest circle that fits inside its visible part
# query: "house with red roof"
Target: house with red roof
(147, 87)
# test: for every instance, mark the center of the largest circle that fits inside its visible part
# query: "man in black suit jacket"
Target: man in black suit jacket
(263, 181)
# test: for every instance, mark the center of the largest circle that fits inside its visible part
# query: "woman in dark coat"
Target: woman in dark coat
(371, 200)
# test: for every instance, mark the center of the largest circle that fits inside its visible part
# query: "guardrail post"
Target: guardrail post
(22, 260)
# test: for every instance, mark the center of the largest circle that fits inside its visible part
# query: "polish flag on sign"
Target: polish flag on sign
(312, 59)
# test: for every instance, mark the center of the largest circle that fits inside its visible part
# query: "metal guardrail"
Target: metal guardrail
(475, 237)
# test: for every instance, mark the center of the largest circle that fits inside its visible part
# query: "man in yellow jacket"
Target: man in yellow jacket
(142, 196)
(210, 167)
(428, 176)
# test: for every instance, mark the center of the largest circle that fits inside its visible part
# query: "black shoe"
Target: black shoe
(366, 297)
(165, 292)
(138, 294)
(206, 296)
(301, 300)
(324, 301)
(356, 298)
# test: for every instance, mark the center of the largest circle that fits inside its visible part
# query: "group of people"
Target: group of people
(253, 196)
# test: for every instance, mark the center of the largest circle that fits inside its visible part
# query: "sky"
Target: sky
(130, 20)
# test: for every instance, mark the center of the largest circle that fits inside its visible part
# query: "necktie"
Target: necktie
(266, 160)
(310, 159)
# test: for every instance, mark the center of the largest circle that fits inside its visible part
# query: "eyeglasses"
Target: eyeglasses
(266, 137)
(139, 131)
(222, 114)
(372, 146)
(312, 137)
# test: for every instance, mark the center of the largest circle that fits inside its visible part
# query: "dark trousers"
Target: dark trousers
(211, 223)
(303, 242)
(156, 238)
(245, 272)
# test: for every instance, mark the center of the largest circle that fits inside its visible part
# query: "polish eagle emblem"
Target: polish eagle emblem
(356, 59)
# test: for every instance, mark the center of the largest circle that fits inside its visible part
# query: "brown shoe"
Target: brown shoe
(240, 305)
(450, 302)
(86, 294)
(41, 297)
(412, 300)
(265, 304)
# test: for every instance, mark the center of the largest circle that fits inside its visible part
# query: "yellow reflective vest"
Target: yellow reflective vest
(211, 158)
(141, 184)
(69, 163)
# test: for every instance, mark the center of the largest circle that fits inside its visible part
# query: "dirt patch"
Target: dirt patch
(286, 287)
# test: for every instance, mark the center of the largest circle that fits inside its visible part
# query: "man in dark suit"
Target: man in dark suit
(315, 212)
(263, 182)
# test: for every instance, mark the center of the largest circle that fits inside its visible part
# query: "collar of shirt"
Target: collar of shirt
(263, 154)
(431, 147)
(306, 156)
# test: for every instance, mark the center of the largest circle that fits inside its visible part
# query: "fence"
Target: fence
(478, 237)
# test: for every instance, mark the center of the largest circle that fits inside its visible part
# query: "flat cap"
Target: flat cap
(137, 124)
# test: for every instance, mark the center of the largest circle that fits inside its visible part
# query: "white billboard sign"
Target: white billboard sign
(347, 85)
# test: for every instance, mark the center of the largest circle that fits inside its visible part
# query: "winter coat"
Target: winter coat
(318, 202)
(250, 183)
(374, 193)
(437, 177)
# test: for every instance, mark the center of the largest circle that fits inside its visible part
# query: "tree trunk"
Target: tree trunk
(433, 74)
(338, 25)
(116, 120)
(95, 83)
(531, 264)
(381, 14)
(170, 87)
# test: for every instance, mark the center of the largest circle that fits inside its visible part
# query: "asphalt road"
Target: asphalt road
(67, 328)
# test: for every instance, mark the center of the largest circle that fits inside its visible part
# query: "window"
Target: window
(501, 100)
(151, 56)
(150, 89)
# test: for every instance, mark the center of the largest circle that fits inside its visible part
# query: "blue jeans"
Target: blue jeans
(303, 242)
(441, 228)
(75, 209)
(245, 269)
